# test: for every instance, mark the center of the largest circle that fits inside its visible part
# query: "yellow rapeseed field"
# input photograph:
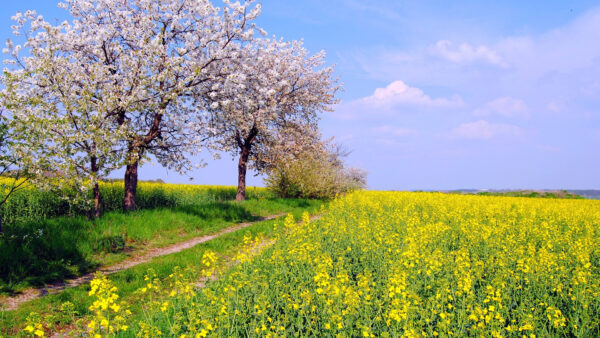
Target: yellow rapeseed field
(405, 264)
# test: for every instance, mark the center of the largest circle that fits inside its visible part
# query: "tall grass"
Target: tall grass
(32, 204)
(47, 239)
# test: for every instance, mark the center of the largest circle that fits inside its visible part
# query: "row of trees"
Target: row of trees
(126, 81)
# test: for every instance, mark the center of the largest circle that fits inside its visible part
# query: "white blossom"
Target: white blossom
(121, 80)
(270, 103)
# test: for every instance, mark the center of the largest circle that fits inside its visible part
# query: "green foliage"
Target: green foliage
(7, 166)
(3, 133)
(31, 204)
(37, 252)
(318, 173)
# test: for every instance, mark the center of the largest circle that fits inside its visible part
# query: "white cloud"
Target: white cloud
(550, 149)
(387, 142)
(555, 106)
(504, 106)
(394, 131)
(565, 49)
(591, 89)
(466, 53)
(364, 6)
(562, 63)
(395, 97)
(398, 93)
(344, 137)
(483, 130)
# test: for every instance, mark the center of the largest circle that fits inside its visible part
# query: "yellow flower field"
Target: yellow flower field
(412, 264)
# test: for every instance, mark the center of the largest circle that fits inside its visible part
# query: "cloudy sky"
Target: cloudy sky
(445, 95)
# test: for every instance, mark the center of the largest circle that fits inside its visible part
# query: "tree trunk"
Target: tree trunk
(131, 180)
(245, 145)
(1, 225)
(242, 167)
(95, 213)
(135, 151)
(97, 210)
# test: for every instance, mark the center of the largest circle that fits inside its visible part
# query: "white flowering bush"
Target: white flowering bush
(315, 173)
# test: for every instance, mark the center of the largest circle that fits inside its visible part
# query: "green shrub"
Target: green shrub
(318, 173)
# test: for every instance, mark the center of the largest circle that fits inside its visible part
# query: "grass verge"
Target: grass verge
(33, 254)
(128, 281)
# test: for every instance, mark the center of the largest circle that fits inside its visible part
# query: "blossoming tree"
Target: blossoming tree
(59, 116)
(129, 77)
(269, 104)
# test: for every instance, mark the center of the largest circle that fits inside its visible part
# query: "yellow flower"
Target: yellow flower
(414, 264)
(526, 327)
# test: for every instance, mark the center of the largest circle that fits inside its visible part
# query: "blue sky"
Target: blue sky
(444, 95)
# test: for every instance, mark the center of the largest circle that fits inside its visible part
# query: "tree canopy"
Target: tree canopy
(122, 82)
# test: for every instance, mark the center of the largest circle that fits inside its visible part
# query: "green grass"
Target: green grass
(128, 281)
(31, 204)
(56, 249)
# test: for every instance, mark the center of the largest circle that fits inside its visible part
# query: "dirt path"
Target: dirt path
(256, 249)
(12, 303)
